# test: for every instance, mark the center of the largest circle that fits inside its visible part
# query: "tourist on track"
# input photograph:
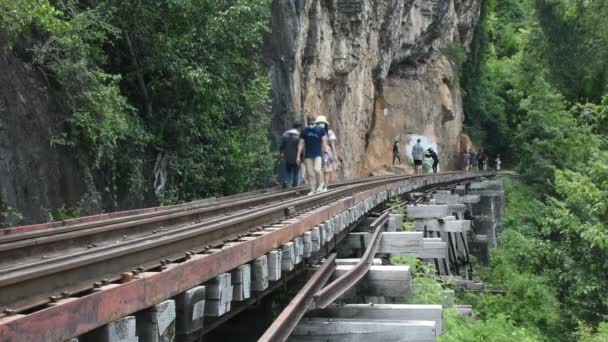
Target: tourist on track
(498, 162)
(473, 159)
(396, 153)
(312, 142)
(467, 160)
(289, 151)
(481, 159)
(418, 156)
(330, 155)
(433, 155)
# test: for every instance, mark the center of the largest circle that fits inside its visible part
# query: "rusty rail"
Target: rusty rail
(34, 282)
(282, 327)
(349, 279)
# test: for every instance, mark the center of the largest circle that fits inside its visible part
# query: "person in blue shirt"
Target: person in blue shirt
(313, 141)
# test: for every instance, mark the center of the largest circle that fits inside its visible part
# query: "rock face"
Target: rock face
(377, 69)
(34, 175)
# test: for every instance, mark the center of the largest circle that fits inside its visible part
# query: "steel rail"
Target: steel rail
(99, 220)
(284, 324)
(349, 279)
(192, 208)
(31, 247)
(74, 272)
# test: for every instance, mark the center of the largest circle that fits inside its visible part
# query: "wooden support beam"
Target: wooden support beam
(433, 249)
(427, 211)
(486, 226)
(218, 295)
(382, 281)
(316, 240)
(409, 312)
(259, 279)
(394, 222)
(157, 323)
(190, 308)
(355, 260)
(469, 199)
(352, 330)
(400, 242)
(447, 226)
(298, 245)
(288, 261)
(443, 198)
(121, 330)
(488, 185)
(403, 243)
(241, 283)
(307, 245)
(274, 265)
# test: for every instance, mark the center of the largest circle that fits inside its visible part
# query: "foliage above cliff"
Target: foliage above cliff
(521, 43)
(168, 100)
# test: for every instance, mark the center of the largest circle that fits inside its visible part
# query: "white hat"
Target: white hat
(321, 119)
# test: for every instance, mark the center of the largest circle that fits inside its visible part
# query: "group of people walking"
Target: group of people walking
(311, 149)
(418, 156)
(426, 160)
(470, 159)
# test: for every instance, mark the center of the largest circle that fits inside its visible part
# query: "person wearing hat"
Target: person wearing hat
(433, 155)
(289, 150)
(330, 157)
(312, 142)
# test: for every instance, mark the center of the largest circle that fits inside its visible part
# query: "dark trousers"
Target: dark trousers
(292, 172)
(396, 156)
(480, 164)
(435, 164)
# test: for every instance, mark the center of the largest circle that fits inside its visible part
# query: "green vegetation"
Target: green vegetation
(428, 288)
(536, 93)
(167, 101)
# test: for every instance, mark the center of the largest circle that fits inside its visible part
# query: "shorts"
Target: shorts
(417, 162)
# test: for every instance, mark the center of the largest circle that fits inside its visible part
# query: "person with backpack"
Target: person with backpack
(290, 142)
(418, 156)
(313, 141)
(433, 155)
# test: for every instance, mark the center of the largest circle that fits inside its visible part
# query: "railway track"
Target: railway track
(71, 261)
(40, 265)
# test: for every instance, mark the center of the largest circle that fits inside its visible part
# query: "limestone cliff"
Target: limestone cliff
(377, 69)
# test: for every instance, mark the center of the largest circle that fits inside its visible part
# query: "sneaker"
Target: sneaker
(321, 189)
